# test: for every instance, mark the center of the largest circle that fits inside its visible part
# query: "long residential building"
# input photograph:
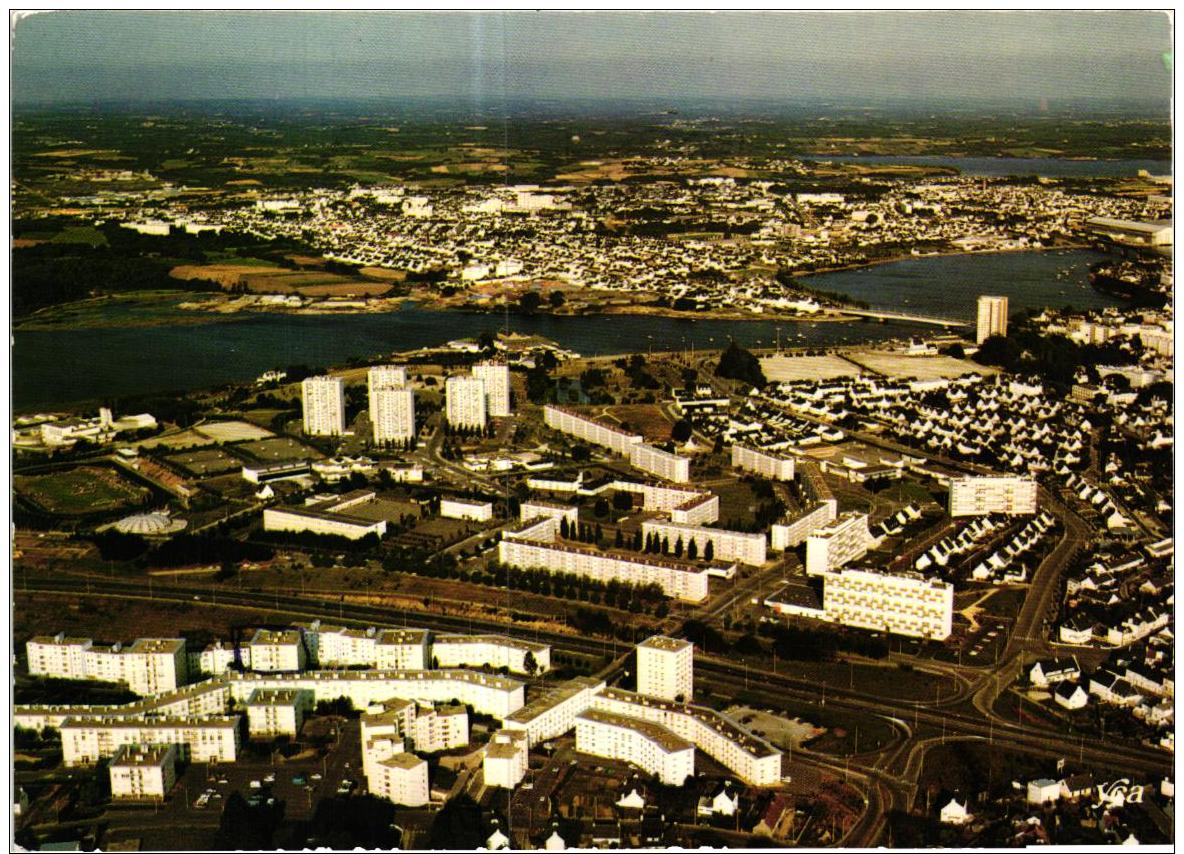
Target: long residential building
(793, 531)
(765, 463)
(324, 406)
(980, 496)
(535, 546)
(498, 696)
(749, 757)
(567, 421)
(726, 545)
(648, 745)
(86, 740)
(148, 666)
(842, 541)
(661, 463)
(553, 712)
(900, 604)
(497, 651)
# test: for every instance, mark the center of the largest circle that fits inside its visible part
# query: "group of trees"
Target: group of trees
(736, 363)
(1055, 358)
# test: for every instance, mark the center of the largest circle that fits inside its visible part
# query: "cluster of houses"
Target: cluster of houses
(557, 233)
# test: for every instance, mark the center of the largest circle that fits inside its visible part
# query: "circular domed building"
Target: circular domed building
(150, 525)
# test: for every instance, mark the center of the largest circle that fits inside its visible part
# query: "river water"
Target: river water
(58, 367)
(991, 167)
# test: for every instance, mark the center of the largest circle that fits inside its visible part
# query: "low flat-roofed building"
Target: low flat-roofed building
(143, 772)
(1131, 232)
(459, 508)
(328, 517)
(650, 746)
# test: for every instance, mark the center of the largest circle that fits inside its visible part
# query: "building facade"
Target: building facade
(842, 541)
(765, 463)
(992, 318)
(392, 415)
(650, 746)
(574, 424)
(979, 496)
(665, 668)
(324, 406)
(496, 378)
(660, 463)
(141, 772)
(465, 402)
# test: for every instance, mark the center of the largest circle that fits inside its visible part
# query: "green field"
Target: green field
(88, 489)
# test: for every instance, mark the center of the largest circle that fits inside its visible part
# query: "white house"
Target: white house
(955, 813)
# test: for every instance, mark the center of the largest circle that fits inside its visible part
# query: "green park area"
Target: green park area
(87, 489)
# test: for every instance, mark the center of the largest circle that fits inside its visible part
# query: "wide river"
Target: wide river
(57, 367)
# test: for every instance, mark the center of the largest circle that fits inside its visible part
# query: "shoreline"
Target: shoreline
(196, 315)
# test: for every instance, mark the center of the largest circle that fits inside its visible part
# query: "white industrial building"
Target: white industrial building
(464, 401)
(979, 496)
(660, 463)
(665, 668)
(646, 744)
(324, 406)
(837, 544)
(535, 546)
(992, 318)
(143, 772)
(496, 378)
(726, 545)
(328, 517)
(765, 463)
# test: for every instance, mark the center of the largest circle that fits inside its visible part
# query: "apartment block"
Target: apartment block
(765, 463)
(496, 651)
(979, 496)
(529, 510)
(553, 712)
(535, 546)
(900, 604)
(148, 666)
(142, 772)
(650, 746)
(465, 402)
(992, 318)
(401, 649)
(392, 415)
(456, 508)
(496, 378)
(276, 651)
(665, 668)
(506, 759)
(86, 740)
(273, 712)
(792, 532)
(660, 463)
(324, 406)
(749, 757)
(567, 421)
(842, 541)
(402, 779)
(726, 545)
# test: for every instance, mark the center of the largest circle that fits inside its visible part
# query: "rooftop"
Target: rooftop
(656, 733)
(665, 644)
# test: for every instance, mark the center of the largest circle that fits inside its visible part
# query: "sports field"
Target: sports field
(87, 489)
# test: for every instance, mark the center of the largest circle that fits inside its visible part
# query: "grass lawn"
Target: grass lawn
(87, 489)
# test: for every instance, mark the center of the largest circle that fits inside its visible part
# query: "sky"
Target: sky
(73, 56)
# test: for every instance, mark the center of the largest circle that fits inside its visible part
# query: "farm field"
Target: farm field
(791, 368)
(918, 367)
(88, 489)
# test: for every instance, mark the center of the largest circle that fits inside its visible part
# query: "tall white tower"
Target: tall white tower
(324, 406)
(497, 387)
(665, 668)
(392, 404)
(992, 318)
(465, 401)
